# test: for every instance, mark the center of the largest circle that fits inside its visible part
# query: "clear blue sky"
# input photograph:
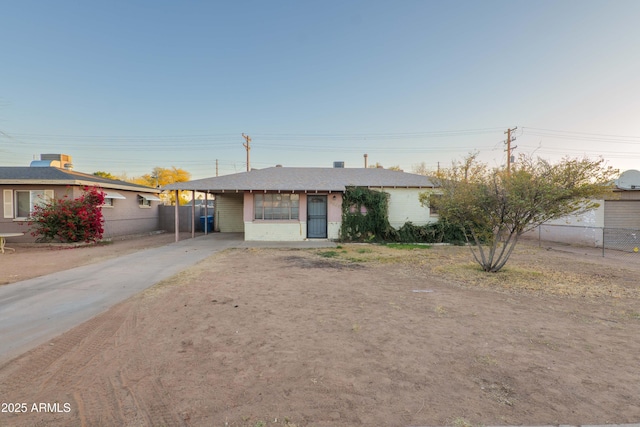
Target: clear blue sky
(124, 86)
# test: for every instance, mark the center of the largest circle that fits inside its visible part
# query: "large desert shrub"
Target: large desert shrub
(494, 207)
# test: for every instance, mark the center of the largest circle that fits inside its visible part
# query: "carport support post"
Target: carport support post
(177, 220)
(193, 213)
(206, 213)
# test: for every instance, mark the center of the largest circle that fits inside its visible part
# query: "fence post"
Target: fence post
(603, 242)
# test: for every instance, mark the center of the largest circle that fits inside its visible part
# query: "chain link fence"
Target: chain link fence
(621, 241)
(606, 242)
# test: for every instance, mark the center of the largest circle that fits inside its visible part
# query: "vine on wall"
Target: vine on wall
(365, 215)
(365, 219)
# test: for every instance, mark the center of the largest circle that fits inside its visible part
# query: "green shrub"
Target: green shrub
(438, 232)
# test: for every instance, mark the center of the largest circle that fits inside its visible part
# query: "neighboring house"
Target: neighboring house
(615, 223)
(128, 208)
(584, 229)
(288, 204)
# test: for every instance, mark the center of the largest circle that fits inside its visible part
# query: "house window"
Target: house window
(354, 208)
(143, 202)
(109, 197)
(433, 210)
(26, 200)
(276, 206)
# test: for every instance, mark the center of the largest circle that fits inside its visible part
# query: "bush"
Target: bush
(70, 220)
(438, 232)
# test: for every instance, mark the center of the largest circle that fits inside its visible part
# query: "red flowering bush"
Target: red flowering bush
(70, 220)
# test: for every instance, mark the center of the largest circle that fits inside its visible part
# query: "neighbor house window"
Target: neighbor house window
(144, 202)
(26, 200)
(276, 206)
(109, 196)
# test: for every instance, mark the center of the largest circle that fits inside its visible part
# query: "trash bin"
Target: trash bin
(209, 223)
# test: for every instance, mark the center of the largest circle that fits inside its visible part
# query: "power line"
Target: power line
(582, 133)
(584, 136)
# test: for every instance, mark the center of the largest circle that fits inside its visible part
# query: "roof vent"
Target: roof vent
(338, 164)
(278, 166)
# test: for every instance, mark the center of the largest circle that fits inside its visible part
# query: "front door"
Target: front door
(317, 217)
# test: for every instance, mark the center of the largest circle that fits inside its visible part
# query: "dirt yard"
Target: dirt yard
(354, 336)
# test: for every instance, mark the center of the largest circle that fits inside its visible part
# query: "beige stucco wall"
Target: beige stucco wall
(229, 213)
(404, 206)
(275, 231)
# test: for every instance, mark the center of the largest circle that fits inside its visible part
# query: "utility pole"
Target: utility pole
(510, 148)
(216, 167)
(248, 147)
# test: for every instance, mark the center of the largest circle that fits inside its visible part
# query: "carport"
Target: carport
(206, 224)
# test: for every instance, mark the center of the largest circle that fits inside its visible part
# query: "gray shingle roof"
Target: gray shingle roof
(13, 175)
(301, 179)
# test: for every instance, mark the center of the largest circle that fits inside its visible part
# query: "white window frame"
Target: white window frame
(7, 203)
(36, 198)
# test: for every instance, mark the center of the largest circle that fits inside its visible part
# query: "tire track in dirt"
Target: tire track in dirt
(43, 364)
(131, 393)
(43, 372)
(138, 391)
(69, 360)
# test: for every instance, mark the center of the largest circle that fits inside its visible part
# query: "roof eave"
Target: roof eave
(114, 186)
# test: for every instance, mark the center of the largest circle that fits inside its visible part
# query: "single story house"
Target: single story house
(298, 203)
(128, 208)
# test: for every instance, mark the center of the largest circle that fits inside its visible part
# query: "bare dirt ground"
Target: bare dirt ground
(261, 337)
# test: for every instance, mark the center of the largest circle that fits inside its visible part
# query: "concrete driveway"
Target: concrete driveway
(36, 310)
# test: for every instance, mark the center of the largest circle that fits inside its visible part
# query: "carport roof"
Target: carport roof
(305, 179)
